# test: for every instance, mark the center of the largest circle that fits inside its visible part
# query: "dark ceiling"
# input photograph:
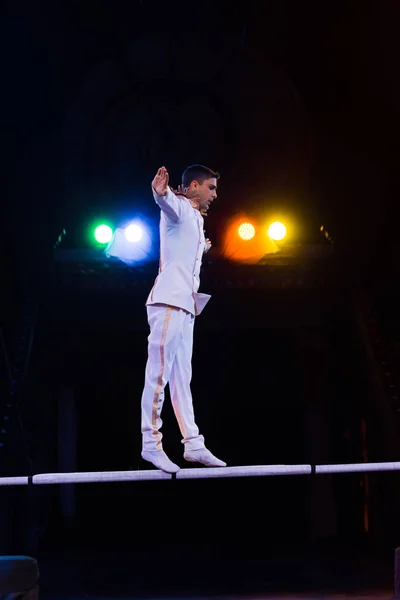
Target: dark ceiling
(293, 103)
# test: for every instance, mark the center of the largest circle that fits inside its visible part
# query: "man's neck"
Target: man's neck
(194, 203)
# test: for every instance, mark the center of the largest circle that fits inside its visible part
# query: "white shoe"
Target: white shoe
(160, 460)
(204, 457)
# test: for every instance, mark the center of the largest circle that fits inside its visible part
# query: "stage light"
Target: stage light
(132, 243)
(246, 231)
(242, 242)
(134, 233)
(277, 231)
(103, 234)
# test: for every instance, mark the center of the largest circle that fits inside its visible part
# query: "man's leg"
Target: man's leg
(182, 402)
(179, 384)
(164, 339)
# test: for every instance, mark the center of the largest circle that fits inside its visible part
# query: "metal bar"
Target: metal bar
(357, 468)
(99, 477)
(255, 471)
(14, 481)
(199, 473)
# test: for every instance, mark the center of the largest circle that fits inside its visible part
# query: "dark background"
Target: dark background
(291, 103)
(296, 105)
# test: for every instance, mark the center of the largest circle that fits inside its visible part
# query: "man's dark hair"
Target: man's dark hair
(198, 173)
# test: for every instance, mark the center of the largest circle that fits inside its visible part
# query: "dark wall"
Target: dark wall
(295, 105)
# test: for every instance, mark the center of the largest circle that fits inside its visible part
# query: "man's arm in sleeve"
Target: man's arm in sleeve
(170, 204)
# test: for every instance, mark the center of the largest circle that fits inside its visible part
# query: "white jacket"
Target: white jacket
(182, 245)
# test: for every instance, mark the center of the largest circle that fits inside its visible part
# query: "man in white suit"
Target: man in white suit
(172, 306)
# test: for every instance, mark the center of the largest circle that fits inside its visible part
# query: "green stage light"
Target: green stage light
(103, 234)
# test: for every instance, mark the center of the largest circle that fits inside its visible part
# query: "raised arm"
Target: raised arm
(165, 198)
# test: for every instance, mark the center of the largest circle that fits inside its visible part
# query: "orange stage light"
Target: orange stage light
(245, 242)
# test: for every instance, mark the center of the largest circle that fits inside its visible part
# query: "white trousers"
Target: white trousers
(169, 361)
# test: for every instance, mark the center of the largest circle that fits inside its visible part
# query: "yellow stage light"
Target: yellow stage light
(277, 231)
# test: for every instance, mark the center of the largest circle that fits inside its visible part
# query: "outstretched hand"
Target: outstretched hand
(160, 182)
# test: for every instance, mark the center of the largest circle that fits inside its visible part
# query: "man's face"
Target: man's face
(205, 192)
